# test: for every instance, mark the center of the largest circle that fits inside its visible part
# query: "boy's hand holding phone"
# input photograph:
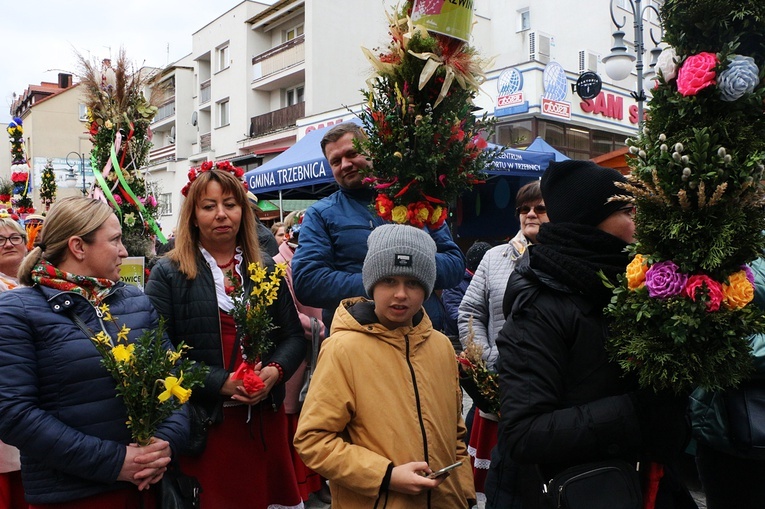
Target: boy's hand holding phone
(410, 479)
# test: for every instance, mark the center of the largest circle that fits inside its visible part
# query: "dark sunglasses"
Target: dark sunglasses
(525, 209)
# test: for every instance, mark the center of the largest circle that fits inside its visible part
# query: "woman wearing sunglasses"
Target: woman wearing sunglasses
(483, 303)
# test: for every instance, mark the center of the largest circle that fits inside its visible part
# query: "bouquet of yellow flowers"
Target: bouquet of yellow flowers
(152, 381)
(252, 319)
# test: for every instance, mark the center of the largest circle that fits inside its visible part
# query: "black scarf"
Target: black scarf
(575, 254)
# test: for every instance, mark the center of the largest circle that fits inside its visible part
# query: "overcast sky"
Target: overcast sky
(42, 37)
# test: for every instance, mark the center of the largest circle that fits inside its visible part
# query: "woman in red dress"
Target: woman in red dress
(246, 462)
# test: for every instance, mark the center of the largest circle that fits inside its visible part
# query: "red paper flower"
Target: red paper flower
(418, 213)
(697, 73)
(714, 289)
(384, 206)
(252, 382)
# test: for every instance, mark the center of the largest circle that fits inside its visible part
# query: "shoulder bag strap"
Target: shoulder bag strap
(79, 322)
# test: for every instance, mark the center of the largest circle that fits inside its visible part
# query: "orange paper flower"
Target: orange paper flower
(738, 292)
(636, 272)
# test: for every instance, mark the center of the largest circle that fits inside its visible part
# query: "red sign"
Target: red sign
(609, 106)
(560, 109)
(323, 124)
(510, 100)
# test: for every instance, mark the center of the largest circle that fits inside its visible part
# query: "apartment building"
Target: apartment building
(260, 77)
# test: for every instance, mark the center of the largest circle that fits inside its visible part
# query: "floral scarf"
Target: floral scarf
(95, 289)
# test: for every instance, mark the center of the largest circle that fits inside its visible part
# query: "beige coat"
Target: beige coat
(381, 397)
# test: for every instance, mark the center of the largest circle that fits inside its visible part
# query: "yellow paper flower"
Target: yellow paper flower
(174, 356)
(399, 214)
(105, 312)
(103, 338)
(173, 388)
(636, 272)
(738, 292)
(123, 353)
(122, 335)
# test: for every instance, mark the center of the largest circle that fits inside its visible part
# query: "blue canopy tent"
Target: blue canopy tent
(540, 145)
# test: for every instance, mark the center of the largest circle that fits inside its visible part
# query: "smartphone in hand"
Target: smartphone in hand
(444, 471)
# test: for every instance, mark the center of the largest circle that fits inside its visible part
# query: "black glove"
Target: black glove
(665, 427)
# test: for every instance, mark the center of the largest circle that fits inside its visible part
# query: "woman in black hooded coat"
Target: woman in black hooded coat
(564, 403)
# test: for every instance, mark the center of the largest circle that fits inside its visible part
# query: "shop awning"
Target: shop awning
(301, 165)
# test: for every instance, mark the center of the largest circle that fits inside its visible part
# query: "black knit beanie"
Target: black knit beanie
(578, 192)
(475, 253)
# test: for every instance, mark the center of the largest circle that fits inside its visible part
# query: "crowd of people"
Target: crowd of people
(390, 306)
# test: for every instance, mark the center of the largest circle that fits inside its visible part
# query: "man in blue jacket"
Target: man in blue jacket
(327, 265)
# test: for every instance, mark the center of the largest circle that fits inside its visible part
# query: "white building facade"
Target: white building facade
(259, 77)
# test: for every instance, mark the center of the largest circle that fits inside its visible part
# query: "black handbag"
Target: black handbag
(610, 484)
(746, 418)
(177, 490)
(202, 417)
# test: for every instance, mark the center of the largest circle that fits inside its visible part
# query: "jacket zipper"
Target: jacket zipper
(419, 407)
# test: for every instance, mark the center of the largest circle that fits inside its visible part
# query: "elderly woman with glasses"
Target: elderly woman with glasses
(482, 304)
(13, 248)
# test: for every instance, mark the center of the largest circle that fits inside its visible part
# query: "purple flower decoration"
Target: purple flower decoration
(663, 280)
(749, 273)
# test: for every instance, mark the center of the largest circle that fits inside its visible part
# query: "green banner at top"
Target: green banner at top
(448, 17)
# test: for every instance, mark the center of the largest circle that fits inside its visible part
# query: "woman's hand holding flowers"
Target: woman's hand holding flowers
(237, 388)
(145, 465)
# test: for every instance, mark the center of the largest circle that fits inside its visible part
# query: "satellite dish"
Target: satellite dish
(194, 118)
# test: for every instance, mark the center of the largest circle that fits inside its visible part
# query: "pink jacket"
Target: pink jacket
(295, 383)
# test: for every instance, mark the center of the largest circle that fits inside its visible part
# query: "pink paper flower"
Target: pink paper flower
(714, 289)
(697, 73)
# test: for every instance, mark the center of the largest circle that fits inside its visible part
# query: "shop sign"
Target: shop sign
(556, 87)
(510, 98)
(609, 106)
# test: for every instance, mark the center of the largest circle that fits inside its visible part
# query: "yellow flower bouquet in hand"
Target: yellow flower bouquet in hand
(152, 380)
(253, 320)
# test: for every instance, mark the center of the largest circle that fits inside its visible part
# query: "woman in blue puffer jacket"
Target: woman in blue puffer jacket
(58, 403)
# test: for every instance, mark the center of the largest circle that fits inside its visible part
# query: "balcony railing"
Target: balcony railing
(275, 120)
(165, 111)
(279, 58)
(161, 154)
(205, 142)
(204, 92)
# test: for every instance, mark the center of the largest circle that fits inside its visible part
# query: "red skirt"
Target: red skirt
(12, 491)
(483, 438)
(129, 498)
(308, 480)
(247, 465)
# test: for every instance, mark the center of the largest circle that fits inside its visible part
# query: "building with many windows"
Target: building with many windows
(260, 77)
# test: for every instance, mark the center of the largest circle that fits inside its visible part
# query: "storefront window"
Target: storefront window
(515, 134)
(553, 134)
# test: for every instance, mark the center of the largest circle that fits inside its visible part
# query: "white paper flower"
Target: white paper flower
(667, 63)
(739, 78)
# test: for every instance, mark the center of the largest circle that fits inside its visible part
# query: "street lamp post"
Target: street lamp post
(71, 165)
(619, 62)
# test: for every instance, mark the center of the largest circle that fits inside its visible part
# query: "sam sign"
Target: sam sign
(556, 86)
